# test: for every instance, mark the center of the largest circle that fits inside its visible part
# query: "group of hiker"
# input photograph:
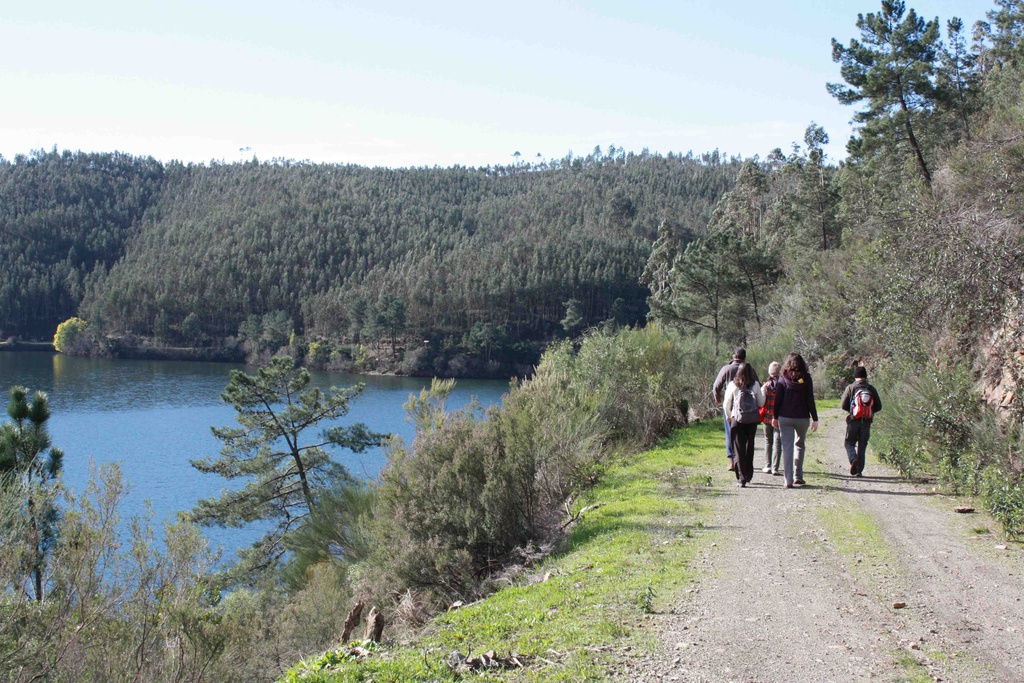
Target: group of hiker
(785, 405)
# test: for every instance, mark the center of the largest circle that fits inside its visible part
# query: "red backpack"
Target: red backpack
(862, 404)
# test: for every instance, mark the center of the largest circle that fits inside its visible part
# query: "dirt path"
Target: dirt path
(801, 584)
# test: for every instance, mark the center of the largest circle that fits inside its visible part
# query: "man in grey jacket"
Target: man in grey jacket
(726, 375)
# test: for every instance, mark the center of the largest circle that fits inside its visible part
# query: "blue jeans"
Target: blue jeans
(728, 436)
(857, 434)
(793, 432)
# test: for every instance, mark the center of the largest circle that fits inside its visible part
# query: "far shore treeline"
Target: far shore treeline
(448, 271)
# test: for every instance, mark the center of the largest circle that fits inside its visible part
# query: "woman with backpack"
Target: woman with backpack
(794, 413)
(742, 402)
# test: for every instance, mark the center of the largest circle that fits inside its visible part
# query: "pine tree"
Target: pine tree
(285, 467)
(27, 456)
(893, 71)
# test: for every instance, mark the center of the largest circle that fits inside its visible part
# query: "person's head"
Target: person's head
(794, 368)
(773, 369)
(739, 354)
(745, 376)
(860, 373)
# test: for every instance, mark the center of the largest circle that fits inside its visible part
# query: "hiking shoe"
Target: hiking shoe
(766, 470)
(777, 473)
(799, 481)
(858, 474)
(789, 486)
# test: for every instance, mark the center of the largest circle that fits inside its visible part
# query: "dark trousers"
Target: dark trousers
(857, 434)
(743, 437)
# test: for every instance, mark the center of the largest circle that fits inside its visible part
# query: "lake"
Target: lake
(154, 416)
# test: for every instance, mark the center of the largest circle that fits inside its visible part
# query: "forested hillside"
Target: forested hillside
(483, 261)
(63, 218)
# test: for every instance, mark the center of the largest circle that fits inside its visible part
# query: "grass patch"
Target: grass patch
(856, 537)
(826, 404)
(911, 669)
(623, 561)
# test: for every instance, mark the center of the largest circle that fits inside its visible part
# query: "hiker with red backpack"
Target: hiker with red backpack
(861, 401)
(741, 404)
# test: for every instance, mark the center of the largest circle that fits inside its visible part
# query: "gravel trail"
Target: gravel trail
(844, 579)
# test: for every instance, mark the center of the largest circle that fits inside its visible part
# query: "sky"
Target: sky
(410, 83)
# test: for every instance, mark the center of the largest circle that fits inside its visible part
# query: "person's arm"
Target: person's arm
(759, 393)
(845, 403)
(727, 401)
(878, 399)
(811, 407)
(716, 388)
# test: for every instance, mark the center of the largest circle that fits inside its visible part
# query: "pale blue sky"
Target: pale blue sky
(401, 83)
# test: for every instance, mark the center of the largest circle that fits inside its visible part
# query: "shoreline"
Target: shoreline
(18, 346)
(218, 355)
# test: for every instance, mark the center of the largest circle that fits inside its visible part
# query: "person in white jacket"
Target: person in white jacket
(743, 397)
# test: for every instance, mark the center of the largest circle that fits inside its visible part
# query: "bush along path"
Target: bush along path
(843, 579)
(584, 612)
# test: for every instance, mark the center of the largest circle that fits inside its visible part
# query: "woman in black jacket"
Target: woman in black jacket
(794, 413)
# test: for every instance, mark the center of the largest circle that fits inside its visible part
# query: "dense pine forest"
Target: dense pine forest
(639, 272)
(426, 264)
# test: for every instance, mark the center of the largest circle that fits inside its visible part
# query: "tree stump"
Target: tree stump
(374, 625)
(351, 621)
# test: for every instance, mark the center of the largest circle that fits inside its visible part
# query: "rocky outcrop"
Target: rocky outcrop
(1003, 374)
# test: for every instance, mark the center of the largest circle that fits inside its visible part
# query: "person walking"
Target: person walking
(772, 442)
(726, 375)
(861, 402)
(741, 403)
(795, 411)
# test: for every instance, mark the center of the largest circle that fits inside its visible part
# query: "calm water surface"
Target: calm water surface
(153, 416)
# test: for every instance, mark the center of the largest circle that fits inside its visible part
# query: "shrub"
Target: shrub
(428, 512)
(72, 338)
(636, 380)
(931, 420)
(473, 488)
(318, 354)
(942, 425)
(837, 372)
(117, 608)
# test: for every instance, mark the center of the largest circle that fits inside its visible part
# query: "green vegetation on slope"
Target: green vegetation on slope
(629, 557)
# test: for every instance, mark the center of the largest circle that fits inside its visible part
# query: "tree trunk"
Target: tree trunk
(913, 139)
(351, 621)
(374, 625)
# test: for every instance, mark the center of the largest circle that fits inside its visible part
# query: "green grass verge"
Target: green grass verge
(628, 558)
(823, 404)
(857, 538)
